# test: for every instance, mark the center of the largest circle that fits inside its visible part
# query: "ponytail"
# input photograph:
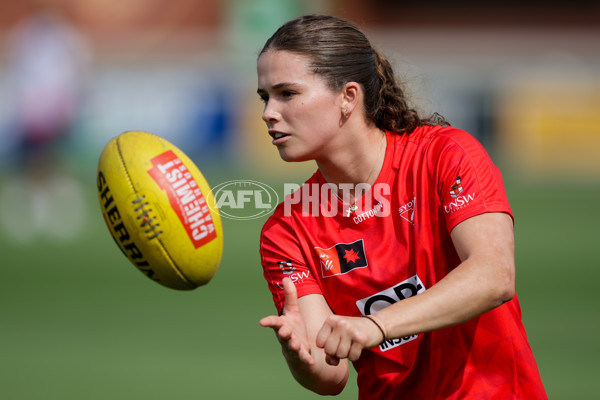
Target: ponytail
(391, 110)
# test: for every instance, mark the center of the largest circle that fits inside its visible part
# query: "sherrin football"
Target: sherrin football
(155, 203)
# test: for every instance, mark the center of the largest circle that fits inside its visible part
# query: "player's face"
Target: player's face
(301, 112)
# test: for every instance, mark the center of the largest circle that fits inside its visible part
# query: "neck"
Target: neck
(360, 162)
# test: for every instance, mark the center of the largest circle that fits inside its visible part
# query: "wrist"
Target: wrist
(379, 325)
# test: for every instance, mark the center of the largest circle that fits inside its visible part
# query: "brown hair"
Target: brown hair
(340, 52)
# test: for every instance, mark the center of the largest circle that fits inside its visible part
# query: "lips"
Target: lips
(278, 137)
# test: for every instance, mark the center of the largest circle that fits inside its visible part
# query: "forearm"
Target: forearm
(296, 329)
(465, 293)
(483, 280)
(320, 377)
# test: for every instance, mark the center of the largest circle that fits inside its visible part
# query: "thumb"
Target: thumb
(291, 295)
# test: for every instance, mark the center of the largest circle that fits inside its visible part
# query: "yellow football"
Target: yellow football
(155, 203)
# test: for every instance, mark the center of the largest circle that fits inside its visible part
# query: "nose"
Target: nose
(270, 115)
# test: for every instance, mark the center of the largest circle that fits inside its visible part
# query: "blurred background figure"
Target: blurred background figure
(48, 65)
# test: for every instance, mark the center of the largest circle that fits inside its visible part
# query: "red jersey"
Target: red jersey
(397, 244)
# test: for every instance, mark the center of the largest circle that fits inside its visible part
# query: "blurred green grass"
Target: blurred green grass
(79, 322)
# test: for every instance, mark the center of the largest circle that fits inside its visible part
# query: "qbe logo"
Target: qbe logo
(243, 199)
(403, 290)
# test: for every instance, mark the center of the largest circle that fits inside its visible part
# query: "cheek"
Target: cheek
(320, 113)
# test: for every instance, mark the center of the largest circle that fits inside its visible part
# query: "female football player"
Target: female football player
(398, 253)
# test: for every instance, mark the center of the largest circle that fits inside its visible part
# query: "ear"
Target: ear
(350, 96)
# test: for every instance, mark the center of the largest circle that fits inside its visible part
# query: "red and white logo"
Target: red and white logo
(459, 200)
(456, 188)
(186, 198)
(342, 258)
(286, 267)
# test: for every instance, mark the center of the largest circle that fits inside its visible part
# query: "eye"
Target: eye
(264, 98)
(286, 94)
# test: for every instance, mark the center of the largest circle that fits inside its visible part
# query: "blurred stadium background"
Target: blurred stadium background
(78, 322)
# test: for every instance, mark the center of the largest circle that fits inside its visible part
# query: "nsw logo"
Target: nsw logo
(244, 199)
(342, 258)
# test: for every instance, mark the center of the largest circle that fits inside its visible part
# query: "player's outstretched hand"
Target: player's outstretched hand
(290, 328)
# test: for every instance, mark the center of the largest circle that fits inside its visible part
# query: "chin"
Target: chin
(288, 156)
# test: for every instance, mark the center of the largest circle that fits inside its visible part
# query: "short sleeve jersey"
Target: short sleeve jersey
(396, 245)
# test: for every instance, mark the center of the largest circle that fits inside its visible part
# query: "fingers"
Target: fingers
(293, 347)
(341, 337)
(291, 295)
(289, 327)
(331, 360)
(272, 321)
(278, 324)
(290, 306)
(324, 333)
(355, 351)
(302, 354)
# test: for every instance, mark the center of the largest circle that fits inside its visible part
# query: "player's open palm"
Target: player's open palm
(290, 328)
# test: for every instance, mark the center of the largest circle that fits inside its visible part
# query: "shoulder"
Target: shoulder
(434, 146)
(440, 135)
(441, 142)
(434, 140)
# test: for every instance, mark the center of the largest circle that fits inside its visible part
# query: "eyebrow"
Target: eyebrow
(278, 86)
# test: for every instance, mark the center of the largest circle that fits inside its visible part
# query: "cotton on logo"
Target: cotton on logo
(403, 290)
(244, 199)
